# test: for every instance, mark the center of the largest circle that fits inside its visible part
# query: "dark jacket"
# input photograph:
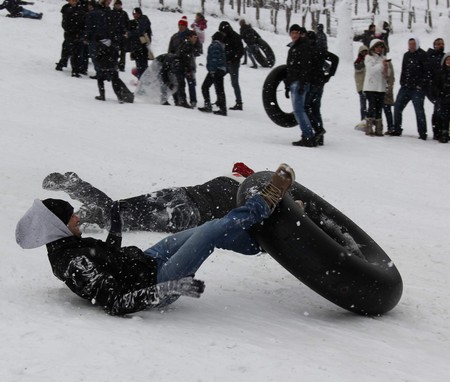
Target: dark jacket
(216, 58)
(434, 58)
(120, 22)
(414, 69)
(73, 22)
(120, 280)
(249, 35)
(99, 24)
(299, 62)
(441, 84)
(324, 66)
(234, 49)
(215, 198)
(176, 40)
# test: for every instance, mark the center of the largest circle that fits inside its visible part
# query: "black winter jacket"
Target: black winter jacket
(299, 62)
(73, 22)
(441, 86)
(234, 49)
(121, 280)
(323, 67)
(414, 69)
(249, 35)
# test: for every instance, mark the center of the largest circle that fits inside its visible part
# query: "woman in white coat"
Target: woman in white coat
(377, 70)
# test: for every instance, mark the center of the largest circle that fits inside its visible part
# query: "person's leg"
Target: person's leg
(362, 105)
(233, 70)
(220, 91)
(388, 114)
(207, 83)
(251, 50)
(192, 87)
(403, 97)
(418, 97)
(181, 255)
(30, 14)
(298, 104)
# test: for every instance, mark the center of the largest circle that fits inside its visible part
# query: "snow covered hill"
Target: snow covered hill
(255, 322)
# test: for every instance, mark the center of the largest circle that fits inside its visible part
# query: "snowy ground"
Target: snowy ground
(255, 321)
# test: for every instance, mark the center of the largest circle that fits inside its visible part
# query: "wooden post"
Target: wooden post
(288, 17)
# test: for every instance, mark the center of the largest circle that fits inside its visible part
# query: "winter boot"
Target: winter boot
(281, 181)
(318, 136)
(443, 136)
(379, 127)
(305, 142)
(101, 97)
(369, 123)
(221, 111)
(101, 89)
(207, 108)
(238, 106)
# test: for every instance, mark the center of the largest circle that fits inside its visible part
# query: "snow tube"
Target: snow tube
(269, 96)
(327, 251)
(264, 54)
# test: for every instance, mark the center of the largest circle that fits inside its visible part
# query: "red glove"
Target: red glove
(242, 169)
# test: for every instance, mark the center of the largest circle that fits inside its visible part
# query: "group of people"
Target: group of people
(423, 74)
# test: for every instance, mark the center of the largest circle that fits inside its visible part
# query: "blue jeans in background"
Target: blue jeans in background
(298, 104)
(181, 255)
(417, 97)
(233, 70)
(362, 105)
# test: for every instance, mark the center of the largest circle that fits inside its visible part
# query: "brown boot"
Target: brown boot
(379, 127)
(282, 180)
(369, 123)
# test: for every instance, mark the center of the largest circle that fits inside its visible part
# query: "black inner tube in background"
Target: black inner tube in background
(326, 250)
(270, 101)
(264, 54)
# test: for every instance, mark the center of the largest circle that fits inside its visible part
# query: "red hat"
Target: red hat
(183, 21)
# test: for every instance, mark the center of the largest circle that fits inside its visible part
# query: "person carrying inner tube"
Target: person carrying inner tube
(297, 81)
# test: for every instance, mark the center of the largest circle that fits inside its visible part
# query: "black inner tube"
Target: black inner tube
(326, 250)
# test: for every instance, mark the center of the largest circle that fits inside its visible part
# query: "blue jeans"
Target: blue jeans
(417, 97)
(362, 105)
(30, 14)
(182, 254)
(233, 70)
(298, 104)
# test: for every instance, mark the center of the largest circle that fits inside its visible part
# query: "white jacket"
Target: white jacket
(39, 226)
(374, 81)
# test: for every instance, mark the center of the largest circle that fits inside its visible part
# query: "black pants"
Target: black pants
(376, 103)
(167, 210)
(215, 79)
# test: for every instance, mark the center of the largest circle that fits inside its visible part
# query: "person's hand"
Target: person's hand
(286, 92)
(187, 286)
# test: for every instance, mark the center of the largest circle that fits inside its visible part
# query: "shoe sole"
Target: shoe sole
(283, 167)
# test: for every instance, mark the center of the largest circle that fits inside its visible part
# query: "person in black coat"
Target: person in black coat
(250, 37)
(73, 23)
(15, 9)
(434, 56)
(298, 80)
(120, 22)
(139, 36)
(324, 66)
(441, 94)
(234, 50)
(413, 82)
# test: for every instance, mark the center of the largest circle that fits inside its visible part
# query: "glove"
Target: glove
(116, 219)
(187, 286)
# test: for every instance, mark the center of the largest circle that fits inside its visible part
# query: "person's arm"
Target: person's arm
(114, 238)
(86, 280)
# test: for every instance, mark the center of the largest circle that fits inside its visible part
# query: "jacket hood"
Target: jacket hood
(39, 226)
(417, 42)
(225, 27)
(362, 48)
(444, 58)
